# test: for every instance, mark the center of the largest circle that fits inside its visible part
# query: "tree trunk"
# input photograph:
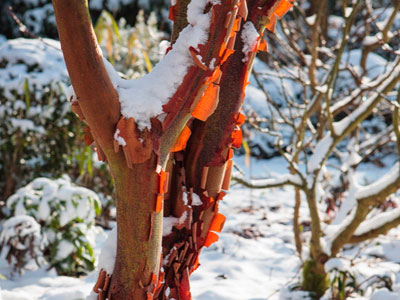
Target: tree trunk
(139, 232)
(214, 85)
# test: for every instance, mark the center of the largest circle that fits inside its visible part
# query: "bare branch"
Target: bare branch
(287, 179)
(376, 226)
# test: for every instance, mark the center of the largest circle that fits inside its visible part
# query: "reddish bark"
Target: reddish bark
(201, 127)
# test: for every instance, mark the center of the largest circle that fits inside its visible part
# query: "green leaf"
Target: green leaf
(97, 207)
(114, 24)
(27, 94)
(147, 61)
(90, 162)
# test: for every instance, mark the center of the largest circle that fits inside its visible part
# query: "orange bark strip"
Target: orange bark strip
(211, 238)
(181, 141)
(237, 137)
(163, 185)
(127, 157)
(231, 23)
(230, 154)
(227, 177)
(154, 278)
(204, 178)
(272, 23)
(107, 282)
(216, 76)
(102, 295)
(171, 14)
(100, 154)
(100, 281)
(116, 146)
(151, 226)
(240, 118)
(218, 222)
(159, 203)
(88, 138)
(139, 145)
(283, 7)
(196, 264)
(236, 26)
(263, 46)
(75, 107)
(228, 19)
(184, 288)
(227, 53)
(194, 53)
(243, 12)
(231, 42)
(221, 195)
(207, 103)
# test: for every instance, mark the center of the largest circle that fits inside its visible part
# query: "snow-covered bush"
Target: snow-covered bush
(38, 129)
(22, 243)
(66, 214)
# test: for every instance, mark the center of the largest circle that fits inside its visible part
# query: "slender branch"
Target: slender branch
(287, 179)
(296, 225)
(367, 197)
(377, 192)
(383, 229)
(368, 48)
(343, 237)
(396, 123)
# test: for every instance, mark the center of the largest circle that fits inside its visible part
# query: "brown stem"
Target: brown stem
(355, 239)
(360, 215)
(296, 225)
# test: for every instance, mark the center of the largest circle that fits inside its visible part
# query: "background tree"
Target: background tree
(337, 106)
(198, 88)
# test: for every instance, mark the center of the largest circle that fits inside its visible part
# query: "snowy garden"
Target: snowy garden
(313, 188)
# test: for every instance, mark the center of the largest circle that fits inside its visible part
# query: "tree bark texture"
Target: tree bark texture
(162, 171)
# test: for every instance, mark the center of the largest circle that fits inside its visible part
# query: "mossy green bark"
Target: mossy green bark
(315, 279)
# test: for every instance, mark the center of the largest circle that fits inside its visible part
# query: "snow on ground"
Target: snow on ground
(253, 260)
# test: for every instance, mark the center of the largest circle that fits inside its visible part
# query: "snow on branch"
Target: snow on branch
(287, 179)
(347, 124)
(382, 187)
(143, 98)
(378, 221)
(365, 108)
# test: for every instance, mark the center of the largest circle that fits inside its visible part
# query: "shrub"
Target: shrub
(66, 214)
(23, 243)
(35, 113)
